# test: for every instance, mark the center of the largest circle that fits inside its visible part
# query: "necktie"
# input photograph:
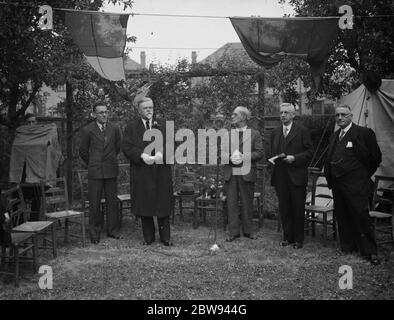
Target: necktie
(241, 143)
(285, 131)
(341, 135)
(147, 125)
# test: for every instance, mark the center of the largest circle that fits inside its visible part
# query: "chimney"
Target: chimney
(194, 57)
(143, 59)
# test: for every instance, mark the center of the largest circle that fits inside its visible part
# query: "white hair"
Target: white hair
(245, 112)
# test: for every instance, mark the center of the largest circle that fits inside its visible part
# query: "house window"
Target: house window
(317, 107)
(329, 108)
(61, 88)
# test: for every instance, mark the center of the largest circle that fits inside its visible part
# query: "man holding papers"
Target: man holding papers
(292, 145)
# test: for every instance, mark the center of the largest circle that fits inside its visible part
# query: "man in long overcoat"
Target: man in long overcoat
(151, 179)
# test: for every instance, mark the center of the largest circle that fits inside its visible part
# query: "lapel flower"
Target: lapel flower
(155, 124)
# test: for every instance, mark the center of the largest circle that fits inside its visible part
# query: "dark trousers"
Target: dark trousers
(32, 192)
(351, 211)
(96, 216)
(291, 207)
(237, 189)
(148, 228)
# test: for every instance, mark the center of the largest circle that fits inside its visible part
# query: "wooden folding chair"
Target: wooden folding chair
(383, 199)
(56, 207)
(15, 246)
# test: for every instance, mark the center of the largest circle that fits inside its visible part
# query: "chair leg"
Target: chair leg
(66, 230)
(16, 262)
(392, 230)
(3, 254)
(83, 229)
(120, 213)
(54, 240)
(34, 253)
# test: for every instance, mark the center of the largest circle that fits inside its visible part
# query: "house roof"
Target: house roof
(234, 51)
(131, 66)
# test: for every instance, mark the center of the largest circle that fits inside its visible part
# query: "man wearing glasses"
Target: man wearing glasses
(353, 157)
(99, 149)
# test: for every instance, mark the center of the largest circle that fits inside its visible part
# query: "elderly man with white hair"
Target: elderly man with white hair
(292, 143)
(240, 187)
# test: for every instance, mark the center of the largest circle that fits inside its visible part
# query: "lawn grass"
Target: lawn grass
(243, 269)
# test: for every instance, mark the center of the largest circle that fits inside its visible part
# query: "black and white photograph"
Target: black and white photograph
(196, 157)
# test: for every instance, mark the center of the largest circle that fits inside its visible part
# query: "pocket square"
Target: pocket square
(349, 144)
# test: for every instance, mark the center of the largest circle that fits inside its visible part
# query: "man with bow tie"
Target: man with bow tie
(99, 149)
(353, 157)
(293, 144)
(150, 176)
(239, 185)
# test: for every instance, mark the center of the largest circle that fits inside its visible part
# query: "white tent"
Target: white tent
(375, 110)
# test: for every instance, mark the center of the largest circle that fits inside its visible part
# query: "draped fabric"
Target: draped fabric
(102, 39)
(269, 40)
(38, 147)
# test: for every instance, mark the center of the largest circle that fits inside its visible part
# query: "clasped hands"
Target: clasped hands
(237, 157)
(158, 157)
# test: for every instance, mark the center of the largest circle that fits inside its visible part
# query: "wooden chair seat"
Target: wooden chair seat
(33, 226)
(123, 197)
(63, 214)
(379, 215)
(319, 209)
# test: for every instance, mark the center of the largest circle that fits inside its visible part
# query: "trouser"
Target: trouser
(355, 227)
(96, 216)
(291, 207)
(237, 189)
(148, 228)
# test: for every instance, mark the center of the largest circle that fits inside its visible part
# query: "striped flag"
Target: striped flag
(102, 39)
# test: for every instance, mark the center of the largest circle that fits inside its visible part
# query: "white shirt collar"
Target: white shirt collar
(347, 128)
(288, 127)
(144, 122)
(241, 129)
(100, 125)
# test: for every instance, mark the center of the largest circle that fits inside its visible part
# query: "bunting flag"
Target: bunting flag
(269, 40)
(102, 39)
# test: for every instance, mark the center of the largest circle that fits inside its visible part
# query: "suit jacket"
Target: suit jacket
(100, 153)
(256, 150)
(151, 185)
(299, 144)
(365, 146)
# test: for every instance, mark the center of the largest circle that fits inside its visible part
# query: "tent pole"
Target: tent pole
(69, 139)
(261, 109)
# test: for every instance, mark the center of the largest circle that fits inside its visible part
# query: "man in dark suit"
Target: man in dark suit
(150, 178)
(290, 174)
(239, 184)
(99, 149)
(353, 157)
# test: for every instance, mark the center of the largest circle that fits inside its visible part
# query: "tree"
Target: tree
(369, 45)
(30, 56)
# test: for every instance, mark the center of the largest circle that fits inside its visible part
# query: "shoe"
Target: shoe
(374, 259)
(284, 243)
(95, 241)
(167, 243)
(250, 236)
(118, 237)
(147, 243)
(232, 238)
(297, 245)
